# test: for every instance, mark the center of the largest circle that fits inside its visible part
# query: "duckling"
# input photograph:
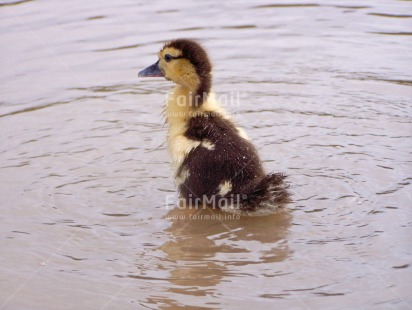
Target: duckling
(214, 161)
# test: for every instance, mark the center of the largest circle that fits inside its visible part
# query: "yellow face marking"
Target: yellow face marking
(180, 71)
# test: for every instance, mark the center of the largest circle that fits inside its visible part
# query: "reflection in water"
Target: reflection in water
(208, 243)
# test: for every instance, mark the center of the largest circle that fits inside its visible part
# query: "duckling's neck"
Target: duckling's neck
(182, 105)
(178, 105)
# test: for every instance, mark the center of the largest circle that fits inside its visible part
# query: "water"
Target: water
(87, 196)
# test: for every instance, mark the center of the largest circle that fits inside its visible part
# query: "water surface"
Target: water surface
(89, 217)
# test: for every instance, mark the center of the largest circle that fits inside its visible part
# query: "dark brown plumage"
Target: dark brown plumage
(233, 159)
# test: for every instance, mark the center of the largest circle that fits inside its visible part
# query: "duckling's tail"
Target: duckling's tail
(266, 196)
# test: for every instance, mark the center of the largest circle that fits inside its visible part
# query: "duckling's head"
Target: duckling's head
(186, 63)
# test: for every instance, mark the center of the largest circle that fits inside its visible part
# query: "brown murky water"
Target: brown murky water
(88, 213)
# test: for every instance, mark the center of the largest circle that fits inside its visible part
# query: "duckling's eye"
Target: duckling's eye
(168, 57)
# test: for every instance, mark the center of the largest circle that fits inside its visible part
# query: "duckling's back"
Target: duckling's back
(225, 171)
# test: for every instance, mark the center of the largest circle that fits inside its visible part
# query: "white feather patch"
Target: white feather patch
(208, 144)
(182, 177)
(179, 147)
(242, 133)
(224, 188)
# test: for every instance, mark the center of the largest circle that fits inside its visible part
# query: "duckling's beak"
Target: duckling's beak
(151, 71)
